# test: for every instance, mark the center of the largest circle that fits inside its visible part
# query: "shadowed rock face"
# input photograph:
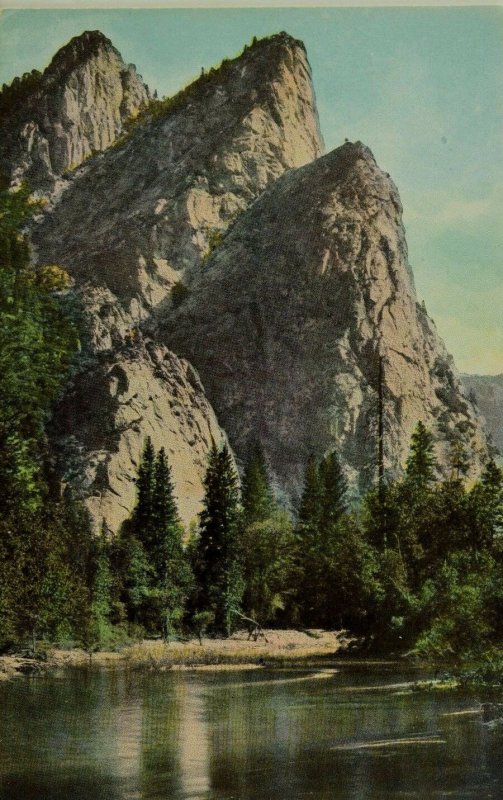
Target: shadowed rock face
(286, 322)
(135, 218)
(488, 393)
(52, 122)
(98, 434)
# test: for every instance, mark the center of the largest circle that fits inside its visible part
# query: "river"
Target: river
(325, 732)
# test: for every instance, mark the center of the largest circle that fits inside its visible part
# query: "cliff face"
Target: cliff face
(140, 390)
(288, 320)
(52, 122)
(487, 391)
(135, 218)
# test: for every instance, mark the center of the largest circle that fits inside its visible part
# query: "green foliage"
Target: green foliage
(37, 344)
(155, 574)
(145, 489)
(46, 576)
(439, 579)
(320, 530)
(217, 566)
(215, 239)
(257, 496)
(267, 546)
(421, 463)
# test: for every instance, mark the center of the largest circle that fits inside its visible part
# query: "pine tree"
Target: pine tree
(486, 502)
(267, 545)
(459, 461)
(217, 568)
(334, 489)
(421, 463)
(311, 503)
(165, 536)
(257, 497)
(308, 561)
(170, 567)
(37, 344)
(143, 513)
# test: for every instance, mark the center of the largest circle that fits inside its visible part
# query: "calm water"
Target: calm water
(257, 735)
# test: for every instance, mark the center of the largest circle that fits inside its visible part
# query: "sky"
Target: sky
(422, 87)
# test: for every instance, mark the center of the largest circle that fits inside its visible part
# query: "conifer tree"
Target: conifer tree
(310, 563)
(170, 568)
(267, 545)
(311, 503)
(143, 513)
(217, 567)
(421, 463)
(334, 489)
(165, 524)
(257, 497)
(459, 461)
(486, 503)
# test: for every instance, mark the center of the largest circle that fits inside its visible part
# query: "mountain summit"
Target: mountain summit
(51, 122)
(146, 211)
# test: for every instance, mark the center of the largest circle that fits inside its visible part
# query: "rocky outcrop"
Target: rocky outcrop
(295, 308)
(138, 216)
(487, 392)
(131, 223)
(51, 122)
(100, 427)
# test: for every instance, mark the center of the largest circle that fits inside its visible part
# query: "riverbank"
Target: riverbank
(236, 652)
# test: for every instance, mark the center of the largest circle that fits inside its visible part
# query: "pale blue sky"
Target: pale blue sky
(423, 87)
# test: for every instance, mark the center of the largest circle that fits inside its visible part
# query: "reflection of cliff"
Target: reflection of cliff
(194, 740)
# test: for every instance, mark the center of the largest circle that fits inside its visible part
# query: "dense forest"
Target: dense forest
(415, 566)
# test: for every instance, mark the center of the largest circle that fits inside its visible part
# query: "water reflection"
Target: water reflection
(259, 735)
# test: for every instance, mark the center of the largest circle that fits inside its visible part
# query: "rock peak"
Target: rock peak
(193, 163)
(77, 50)
(298, 294)
(51, 122)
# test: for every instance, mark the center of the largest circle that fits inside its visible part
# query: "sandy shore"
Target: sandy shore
(237, 652)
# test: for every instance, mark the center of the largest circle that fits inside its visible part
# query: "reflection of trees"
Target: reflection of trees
(160, 763)
(255, 739)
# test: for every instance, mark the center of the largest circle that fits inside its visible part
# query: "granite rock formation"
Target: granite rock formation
(140, 215)
(142, 389)
(487, 392)
(294, 310)
(51, 122)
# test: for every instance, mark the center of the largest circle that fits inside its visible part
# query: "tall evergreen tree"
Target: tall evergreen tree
(170, 567)
(459, 461)
(217, 567)
(257, 496)
(143, 513)
(421, 463)
(322, 507)
(334, 489)
(311, 502)
(37, 344)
